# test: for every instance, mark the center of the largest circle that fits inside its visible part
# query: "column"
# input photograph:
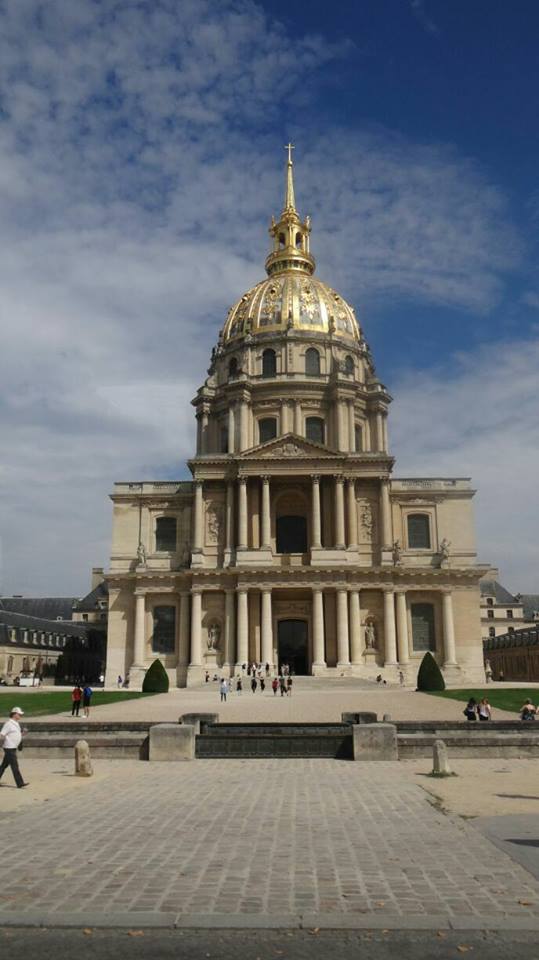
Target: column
(230, 610)
(231, 429)
(351, 427)
(199, 433)
(204, 432)
(402, 628)
(243, 627)
(450, 657)
(242, 525)
(229, 527)
(352, 512)
(197, 532)
(266, 520)
(389, 628)
(343, 650)
(379, 432)
(183, 631)
(318, 629)
(339, 514)
(356, 646)
(386, 441)
(140, 630)
(367, 443)
(285, 426)
(244, 425)
(385, 510)
(316, 521)
(266, 628)
(196, 624)
(298, 426)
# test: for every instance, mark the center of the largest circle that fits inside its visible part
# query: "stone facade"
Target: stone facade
(293, 542)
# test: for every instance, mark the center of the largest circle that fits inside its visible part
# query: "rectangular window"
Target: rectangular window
(509, 614)
(165, 534)
(423, 634)
(511, 630)
(490, 614)
(418, 531)
(164, 629)
(223, 440)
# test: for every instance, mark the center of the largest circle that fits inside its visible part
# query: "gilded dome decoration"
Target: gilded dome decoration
(291, 296)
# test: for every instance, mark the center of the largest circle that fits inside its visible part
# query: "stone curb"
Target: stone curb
(338, 921)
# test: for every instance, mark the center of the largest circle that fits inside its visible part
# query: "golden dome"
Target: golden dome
(291, 297)
(291, 300)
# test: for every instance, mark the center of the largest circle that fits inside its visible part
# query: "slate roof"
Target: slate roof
(64, 628)
(46, 608)
(91, 601)
(530, 602)
(491, 588)
(527, 637)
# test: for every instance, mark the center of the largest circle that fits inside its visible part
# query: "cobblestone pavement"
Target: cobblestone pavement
(256, 837)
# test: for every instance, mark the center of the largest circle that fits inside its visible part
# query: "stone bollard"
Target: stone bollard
(440, 763)
(387, 718)
(83, 763)
(198, 720)
(375, 741)
(172, 741)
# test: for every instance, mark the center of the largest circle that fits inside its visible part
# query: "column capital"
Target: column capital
(315, 478)
(350, 479)
(446, 591)
(198, 481)
(338, 478)
(388, 589)
(140, 592)
(242, 479)
(265, 477)
(401, 590)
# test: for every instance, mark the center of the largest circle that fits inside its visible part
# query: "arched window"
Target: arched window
(418, 531)
(314, 429)
(164, 629)
(233, 367)
(165, 534)
(312, 362)
(269, 363)
(349, 365)
(358, 433)
(281, 240)
(299, 240)
(423, 633)
(267, 429)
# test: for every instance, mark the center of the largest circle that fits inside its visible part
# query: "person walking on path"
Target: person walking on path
(483, 710)
(289, 685)
(223, 690)
(262, 684)
(470, 710)
(254, 684)
(76, 697)
(274, 686)
(11, 739)
(239, 685)
(282, 686)
(119, 681)
(401, 678)
(86, 700)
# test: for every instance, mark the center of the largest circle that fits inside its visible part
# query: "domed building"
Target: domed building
(293, 544)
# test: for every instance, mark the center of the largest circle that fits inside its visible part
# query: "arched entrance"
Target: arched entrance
(293, 645)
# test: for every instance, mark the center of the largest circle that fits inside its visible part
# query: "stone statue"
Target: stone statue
(444, 551)
(370, 636)
(214, 635)
(397, 552)
(141, 555)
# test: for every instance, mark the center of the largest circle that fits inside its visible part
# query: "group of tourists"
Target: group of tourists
(283, 684)
(81, 695)
(482, 711)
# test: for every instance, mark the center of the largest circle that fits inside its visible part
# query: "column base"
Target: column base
(195, 675)
(318, 669)
(136, 677)
(452, 673)
(181, 675)
(345, 668)
(197, 558)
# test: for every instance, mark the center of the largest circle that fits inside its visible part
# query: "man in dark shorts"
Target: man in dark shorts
(86, 699)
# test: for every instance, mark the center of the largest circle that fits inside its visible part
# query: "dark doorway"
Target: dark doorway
(293, 646)
(291, 535)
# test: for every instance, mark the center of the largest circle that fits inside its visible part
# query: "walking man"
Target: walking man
(10, 739)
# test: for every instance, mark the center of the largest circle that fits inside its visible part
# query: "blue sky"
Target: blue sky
(140, 160)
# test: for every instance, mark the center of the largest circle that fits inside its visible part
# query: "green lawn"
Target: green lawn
(41, 702)
(504, 699)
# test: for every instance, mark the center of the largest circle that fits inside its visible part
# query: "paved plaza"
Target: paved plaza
(239, 841)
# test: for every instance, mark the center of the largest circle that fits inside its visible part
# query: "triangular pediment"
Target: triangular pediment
(288, 447)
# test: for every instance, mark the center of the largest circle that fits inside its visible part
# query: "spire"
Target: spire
(289, 201)
(290, 234)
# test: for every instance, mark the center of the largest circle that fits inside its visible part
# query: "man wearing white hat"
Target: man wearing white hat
(10, 740)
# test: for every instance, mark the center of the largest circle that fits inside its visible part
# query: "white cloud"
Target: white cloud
(481, 422)
(139, 166)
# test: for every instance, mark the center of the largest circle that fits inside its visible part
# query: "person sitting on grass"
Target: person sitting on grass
(528, 711)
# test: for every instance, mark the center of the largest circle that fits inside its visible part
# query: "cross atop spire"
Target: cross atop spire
(289, 201)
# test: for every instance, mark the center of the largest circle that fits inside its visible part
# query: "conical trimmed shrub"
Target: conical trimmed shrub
(155, 679)
(430, 676)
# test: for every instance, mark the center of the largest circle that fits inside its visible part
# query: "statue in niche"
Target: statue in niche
(444, 551)
(370, 635)
(397, 553)
(141, 555)
(214, 636)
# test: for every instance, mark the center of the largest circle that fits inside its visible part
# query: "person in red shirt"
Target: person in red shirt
(76, 697)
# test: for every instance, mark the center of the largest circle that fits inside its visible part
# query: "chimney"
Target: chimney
(97, 576)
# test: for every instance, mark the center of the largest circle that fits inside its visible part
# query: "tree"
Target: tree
(155, 679)
(429, 676)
